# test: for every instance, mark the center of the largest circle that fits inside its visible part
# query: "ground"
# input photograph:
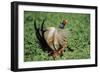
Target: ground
(78, 38)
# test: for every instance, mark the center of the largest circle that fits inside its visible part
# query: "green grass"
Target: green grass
(78, 38)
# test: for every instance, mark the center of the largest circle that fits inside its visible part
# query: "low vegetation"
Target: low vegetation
(78, 36)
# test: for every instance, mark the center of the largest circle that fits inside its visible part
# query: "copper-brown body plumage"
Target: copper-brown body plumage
(55, 39)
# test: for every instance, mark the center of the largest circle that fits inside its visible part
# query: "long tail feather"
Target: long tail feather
(38, 31)
(42, 27)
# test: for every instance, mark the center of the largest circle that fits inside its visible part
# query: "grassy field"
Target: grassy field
(78, 38)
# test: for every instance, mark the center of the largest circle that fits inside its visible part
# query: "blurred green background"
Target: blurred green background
(78, 38)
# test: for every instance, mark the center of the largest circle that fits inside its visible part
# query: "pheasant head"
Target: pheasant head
(62, 25)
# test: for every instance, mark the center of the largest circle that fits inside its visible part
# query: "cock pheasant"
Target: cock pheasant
(52, 39)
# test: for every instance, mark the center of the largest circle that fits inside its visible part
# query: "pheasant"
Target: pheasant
(53, 39)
